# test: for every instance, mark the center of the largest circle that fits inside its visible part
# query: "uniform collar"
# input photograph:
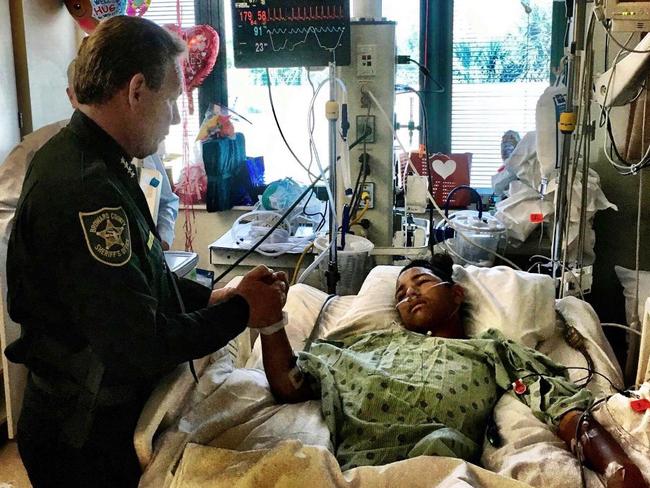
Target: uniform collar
(98, 140)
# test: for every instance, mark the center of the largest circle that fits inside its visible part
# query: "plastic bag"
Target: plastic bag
(216, 124)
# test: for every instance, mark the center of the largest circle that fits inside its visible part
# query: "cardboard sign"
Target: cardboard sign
(447, 171)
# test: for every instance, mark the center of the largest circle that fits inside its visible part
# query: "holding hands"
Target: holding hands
(266, 293)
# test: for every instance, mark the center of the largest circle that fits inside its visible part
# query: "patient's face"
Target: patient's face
(431, 302)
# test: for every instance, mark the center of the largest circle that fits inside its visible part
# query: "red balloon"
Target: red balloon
(81, 11)
(202, 49)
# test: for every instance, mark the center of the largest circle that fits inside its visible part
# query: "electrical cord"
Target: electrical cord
(425, 71)
(277, 123)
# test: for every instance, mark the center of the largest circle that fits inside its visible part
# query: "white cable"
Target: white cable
(245, 235)
(429, 196)
(619, 326)
(312, 266)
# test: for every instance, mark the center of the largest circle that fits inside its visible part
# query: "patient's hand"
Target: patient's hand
(628, 476)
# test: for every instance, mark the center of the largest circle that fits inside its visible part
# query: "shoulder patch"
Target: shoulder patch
(107, 235)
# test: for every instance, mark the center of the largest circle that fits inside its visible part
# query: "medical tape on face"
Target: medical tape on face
(411, 297)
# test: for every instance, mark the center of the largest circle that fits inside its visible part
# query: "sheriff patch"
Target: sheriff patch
(107, 235)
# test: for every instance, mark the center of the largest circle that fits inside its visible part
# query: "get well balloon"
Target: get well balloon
(88, 13)
(81, 11)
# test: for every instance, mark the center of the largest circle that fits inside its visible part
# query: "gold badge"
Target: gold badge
(107, 235)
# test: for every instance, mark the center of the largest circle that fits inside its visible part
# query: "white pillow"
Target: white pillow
(627, 277)
(521, 305)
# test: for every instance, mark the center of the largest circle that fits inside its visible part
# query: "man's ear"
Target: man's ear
(136, 88)
(458, 292)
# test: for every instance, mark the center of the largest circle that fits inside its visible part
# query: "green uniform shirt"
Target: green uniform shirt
(86, 272)
(395, 394)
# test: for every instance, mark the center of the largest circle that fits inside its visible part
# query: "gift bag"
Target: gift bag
(447, 171)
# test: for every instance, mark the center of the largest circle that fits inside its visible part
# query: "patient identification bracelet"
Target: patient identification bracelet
(272, 329)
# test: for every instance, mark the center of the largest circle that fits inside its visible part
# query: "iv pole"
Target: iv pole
(576, 10)
(332, 114)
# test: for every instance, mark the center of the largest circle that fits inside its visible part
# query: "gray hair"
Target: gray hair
(118, 49)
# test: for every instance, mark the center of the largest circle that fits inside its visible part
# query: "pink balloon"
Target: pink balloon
(137, 7)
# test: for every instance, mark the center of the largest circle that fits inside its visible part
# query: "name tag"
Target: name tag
(150, 240)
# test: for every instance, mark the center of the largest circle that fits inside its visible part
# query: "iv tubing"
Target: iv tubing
(429, 196)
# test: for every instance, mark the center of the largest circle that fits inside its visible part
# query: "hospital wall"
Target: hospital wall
(45, 40)
(616, 231)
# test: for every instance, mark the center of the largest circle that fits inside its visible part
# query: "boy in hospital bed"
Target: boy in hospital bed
(426, 389)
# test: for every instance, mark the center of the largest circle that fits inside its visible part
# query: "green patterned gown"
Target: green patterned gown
(395, 394)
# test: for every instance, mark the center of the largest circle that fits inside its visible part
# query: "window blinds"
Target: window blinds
(498, 77)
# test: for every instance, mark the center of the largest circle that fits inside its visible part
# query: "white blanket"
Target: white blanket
(292, 464)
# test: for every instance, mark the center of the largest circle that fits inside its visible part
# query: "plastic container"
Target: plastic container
(487, 231)
(181, 262)
(353, 263)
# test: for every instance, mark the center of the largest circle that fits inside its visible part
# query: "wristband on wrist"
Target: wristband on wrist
(272, 329)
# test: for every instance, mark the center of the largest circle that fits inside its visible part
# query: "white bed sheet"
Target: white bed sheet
(235, 412)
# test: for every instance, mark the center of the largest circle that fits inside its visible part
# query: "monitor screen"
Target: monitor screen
(286, 33)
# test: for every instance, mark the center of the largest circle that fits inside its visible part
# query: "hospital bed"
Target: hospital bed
(227, 430)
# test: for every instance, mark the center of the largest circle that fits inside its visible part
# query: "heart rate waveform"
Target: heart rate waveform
(284, 33)
(288, 44)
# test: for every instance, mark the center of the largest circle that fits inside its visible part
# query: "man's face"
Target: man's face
(155, 112)
(428, 301)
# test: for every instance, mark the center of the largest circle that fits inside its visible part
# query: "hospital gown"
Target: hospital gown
(395, 394)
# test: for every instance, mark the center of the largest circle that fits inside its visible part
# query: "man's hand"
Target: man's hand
(221, 295)
(266, 294)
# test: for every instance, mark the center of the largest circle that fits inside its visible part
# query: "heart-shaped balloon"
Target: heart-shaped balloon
(202, 49)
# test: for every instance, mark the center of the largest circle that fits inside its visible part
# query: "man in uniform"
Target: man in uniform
(102, 318)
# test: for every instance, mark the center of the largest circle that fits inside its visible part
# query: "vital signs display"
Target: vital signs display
(285, 33)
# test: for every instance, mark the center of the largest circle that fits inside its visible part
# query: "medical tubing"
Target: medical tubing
(310, 125)
(345, 149)
(429, 196)
(316, 262)
(277, 123)
(270, 231)
(284, 246)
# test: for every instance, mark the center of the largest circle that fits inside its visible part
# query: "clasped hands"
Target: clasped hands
(264, 290)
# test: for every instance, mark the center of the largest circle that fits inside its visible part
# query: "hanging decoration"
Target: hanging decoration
(89, 13)
(137, 7)
(202, 49)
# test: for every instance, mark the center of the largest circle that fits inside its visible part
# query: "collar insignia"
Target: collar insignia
(128, 167)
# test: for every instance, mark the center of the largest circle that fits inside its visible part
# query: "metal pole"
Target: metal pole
(332, 273)
(576, 45)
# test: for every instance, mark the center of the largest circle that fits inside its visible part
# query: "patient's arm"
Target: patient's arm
(287, 382)
(602, 453)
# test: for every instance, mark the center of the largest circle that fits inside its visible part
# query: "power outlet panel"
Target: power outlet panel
(366, 56)
(370, 188)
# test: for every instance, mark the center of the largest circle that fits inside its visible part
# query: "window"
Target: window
(501, 66)
(292, 92)
(164, 12)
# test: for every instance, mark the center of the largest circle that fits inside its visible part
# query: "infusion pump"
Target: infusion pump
(628, 16)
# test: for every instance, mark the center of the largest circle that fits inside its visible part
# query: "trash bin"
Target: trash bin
(353, 263)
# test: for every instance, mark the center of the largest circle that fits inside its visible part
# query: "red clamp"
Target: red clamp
(519, 387)
(536, 218)
(640, 405)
